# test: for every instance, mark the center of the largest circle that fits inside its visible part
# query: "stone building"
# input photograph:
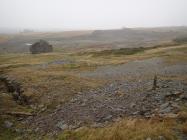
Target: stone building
(41, 46)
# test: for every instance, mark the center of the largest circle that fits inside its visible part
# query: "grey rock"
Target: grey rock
(72, 127)
(62, 125)
(168, 94)
(136, 113)
(108, 117)
(166, 110)
(41, 106)
(8, 124)
(161, 138)
(148, 138)
(36, 130)
(184, 97)
(34, 107)
(132, 105)
(177, 93)
(175, 105)
(83, 104)
(97, 125)
(165, 105)
(178, 99)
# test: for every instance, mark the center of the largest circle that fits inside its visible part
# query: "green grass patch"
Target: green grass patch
(181, 39)
(115, 52)
(126, 51)
(121, 51)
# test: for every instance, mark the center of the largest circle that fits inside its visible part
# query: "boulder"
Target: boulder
(41, 47)
(61, 125)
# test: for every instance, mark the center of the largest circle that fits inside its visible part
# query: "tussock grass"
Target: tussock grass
(116, 52)
(181, 39)
(6, 134)
(176, 55)
(127, 51)
(128, 129)
(57, 84)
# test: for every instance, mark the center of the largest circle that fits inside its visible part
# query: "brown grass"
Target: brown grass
(57, 84)
(128, 129)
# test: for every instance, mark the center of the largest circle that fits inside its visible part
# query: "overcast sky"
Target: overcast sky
(91, 14)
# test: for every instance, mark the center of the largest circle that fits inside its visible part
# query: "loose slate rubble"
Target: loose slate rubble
(105, 105)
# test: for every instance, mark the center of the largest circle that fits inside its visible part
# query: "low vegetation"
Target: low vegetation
(129, 129)
(127, 51)
(181, 40)
(50, 84)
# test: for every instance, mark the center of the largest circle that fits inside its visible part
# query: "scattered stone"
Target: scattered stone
(148, 138)
(184, 97)
(62, 125)
(169, 115)
(168, 94)
(161, 138)
(177, 93)
(20, 119)
(108, 117)
(8, 124)
(166, 110)
(155, 83)
(165, 105)
(83, 104)
(101, 107)
(175, 105)
(97, 125)
(178, 99)
(72, 127)
(36, 130)
(34, 107)
(132, 105)
(136, 113)
(41, 106)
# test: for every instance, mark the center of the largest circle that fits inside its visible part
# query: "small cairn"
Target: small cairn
(155, 83)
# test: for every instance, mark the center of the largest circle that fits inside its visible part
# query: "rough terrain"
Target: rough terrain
(128, 92)
(89, 93)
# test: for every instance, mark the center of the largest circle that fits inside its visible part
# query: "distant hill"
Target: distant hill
(115, 38)
(4, 30)
(127, 34)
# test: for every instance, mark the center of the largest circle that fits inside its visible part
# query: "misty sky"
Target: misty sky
(91, 14)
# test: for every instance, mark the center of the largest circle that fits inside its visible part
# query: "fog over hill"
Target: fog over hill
(114, 38)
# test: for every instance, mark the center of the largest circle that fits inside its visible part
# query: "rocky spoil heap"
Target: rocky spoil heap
(112, 102)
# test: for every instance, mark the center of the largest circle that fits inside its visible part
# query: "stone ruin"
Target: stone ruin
(41, 46)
